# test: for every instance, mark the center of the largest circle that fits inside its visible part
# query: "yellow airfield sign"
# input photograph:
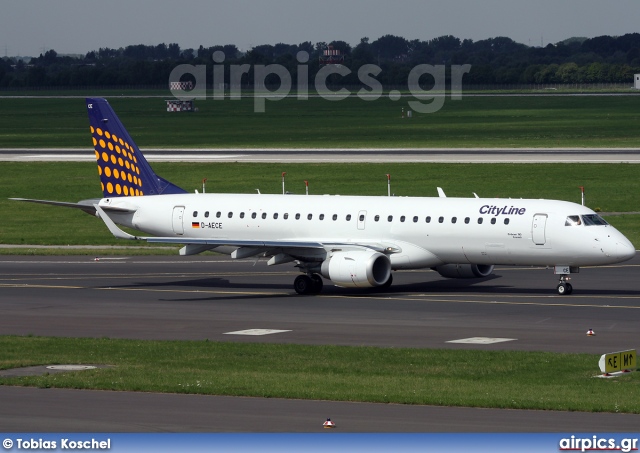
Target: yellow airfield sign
(618, 361)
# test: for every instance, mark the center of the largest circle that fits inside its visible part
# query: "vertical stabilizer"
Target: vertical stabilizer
(122, 168)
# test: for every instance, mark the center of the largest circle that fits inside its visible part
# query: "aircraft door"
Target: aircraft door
(362, 217)
(178, 216)
(538, 229)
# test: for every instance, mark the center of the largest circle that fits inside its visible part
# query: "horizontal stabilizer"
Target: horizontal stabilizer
(85, 205)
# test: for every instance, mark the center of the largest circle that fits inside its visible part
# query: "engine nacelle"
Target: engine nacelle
(357, 269)
(464, 270)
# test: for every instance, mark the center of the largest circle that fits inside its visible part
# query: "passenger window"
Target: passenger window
(428, 219)
(467, 220)
(218, 214)
(206, 214)
(390, 218)
(454, 219)
(402, 218)
(506, 221)
(285, 216)
(376, 218)
(361, 217)
(479, 220)
(415, 219)
(493, 220)
(242, 215)
(195, 213)
(348, 217)
(440, 219)
(297, 216)
(264, 215)
(573, 220)
(310, 216)
(275, 215)
(335, 217)
(321, 216)
(230, 214)
(253, 215)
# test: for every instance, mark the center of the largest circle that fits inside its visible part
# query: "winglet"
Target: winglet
(117, 232)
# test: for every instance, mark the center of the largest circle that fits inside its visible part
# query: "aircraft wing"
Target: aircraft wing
(247, 248)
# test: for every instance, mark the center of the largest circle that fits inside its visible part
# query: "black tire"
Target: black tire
(388, 283)
(562, 289)
(569, 288)
(317, 283)
(303, 284)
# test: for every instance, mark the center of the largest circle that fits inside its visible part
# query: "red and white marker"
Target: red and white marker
(590, 332)
(329, 424)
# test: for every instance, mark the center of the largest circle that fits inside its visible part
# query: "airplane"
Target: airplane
(353, 241)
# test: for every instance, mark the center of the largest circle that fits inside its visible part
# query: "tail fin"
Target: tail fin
(122, 168)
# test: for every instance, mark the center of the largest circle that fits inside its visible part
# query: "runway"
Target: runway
(208, 297)
(344, 155)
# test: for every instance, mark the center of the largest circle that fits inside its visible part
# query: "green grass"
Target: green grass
(609, 187)
(501, 379)
(521, 122)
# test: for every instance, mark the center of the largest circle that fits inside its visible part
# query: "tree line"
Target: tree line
(604, 59)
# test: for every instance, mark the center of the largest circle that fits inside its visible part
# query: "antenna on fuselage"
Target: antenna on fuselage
(283, 173)
(204, 183)
(582, 193)
(306, 186)
(388, 184)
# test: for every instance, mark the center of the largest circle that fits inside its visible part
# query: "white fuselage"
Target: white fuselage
(427, 231)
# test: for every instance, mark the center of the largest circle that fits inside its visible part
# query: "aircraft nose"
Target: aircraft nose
(625, 249)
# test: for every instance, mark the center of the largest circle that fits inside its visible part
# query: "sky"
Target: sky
(27, 27)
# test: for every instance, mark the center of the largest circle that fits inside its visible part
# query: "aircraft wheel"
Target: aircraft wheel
(564, 289)
(303, 284)
(317, 283)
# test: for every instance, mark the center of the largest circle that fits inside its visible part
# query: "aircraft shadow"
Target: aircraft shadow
(477, 286)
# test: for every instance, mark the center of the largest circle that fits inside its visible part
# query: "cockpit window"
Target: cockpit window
(593, 219)
(573, 220)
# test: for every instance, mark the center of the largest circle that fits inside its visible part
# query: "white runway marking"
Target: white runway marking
(481, 340)
(256, 332)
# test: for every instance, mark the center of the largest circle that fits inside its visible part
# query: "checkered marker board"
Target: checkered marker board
(181, 85)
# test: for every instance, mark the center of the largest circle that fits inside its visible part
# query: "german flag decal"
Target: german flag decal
(195, 224)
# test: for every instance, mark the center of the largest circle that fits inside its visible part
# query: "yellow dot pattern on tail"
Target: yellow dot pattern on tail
(117, 164)
(123, 170)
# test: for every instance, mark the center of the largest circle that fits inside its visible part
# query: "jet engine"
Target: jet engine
(464, 270)
(357, 269)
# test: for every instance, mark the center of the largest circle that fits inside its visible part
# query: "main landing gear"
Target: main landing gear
(308, 284)
(564, 287)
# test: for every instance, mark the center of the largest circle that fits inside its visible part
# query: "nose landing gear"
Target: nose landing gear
(564, 287)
